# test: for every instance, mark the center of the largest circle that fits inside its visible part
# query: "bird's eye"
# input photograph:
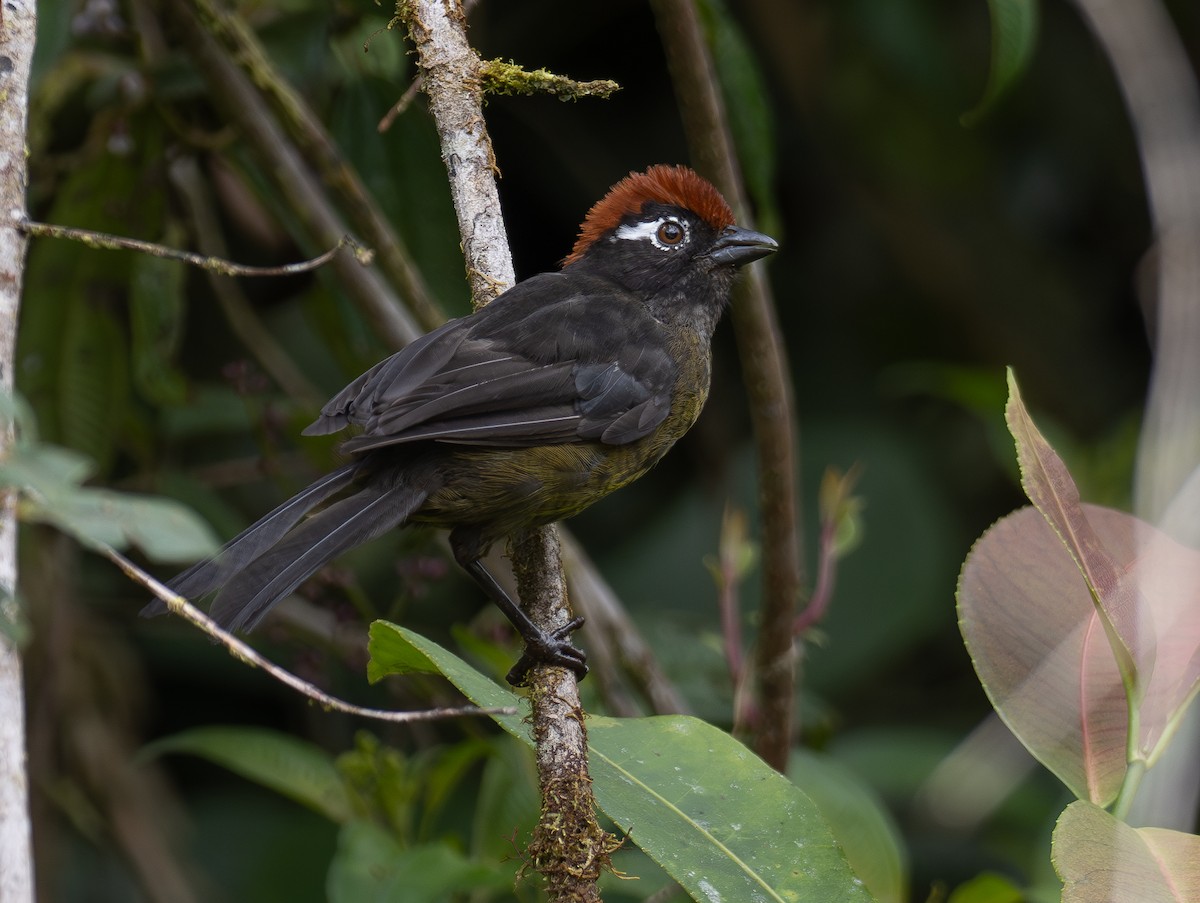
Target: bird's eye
(670, 232)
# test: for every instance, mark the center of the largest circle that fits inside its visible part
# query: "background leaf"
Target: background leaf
(298, 770)
(1101, 859)
(1014, 37)
(370, 867)
(866, 832)
(1124, 615)
(1029, 625)
(49, 478)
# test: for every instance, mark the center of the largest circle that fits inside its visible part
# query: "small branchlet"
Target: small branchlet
(500, 77)
(105, 242)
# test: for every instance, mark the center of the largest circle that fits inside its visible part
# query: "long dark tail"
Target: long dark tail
(269, 559)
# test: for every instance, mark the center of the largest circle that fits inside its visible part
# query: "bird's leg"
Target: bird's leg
(541, 646)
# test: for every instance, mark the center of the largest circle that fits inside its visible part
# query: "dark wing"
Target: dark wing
(559, 358)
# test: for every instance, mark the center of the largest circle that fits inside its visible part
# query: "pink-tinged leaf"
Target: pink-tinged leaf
(1049, 485)
(1032, 631)
(1101, 860)
(1167, 575)
(1035, 636)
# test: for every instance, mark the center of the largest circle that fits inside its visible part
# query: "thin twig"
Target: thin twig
(104, 241)
(405, 101)
(244, 653)
(256, 338)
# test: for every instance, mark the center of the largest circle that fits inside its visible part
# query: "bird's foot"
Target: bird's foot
(549, 648)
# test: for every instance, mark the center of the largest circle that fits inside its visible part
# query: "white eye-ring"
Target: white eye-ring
(666, 233)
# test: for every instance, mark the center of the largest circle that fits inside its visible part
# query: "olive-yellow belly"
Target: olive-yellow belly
(506, 489)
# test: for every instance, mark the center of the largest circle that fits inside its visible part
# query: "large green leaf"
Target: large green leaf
(711, 813)
(1101, 859)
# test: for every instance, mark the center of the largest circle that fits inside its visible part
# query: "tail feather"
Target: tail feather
(205, 576)
(276, 572)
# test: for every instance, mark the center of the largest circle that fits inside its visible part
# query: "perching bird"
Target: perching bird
(566, 387)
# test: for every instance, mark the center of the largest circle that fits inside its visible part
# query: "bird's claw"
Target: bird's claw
(550, 648)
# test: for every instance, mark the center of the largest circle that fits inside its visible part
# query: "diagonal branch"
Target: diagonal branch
(318, 220)
(319, 151)
(247, 655)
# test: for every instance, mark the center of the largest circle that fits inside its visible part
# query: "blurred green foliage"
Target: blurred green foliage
(918, 259)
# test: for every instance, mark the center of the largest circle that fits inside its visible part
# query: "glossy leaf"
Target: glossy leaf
(714, 816)
(1101, 859)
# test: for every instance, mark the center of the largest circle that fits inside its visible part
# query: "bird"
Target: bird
(566, 387)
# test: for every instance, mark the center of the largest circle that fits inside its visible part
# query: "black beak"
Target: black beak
(736, 246)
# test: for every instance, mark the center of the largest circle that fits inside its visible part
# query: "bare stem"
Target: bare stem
(18, 28)
(765, 372)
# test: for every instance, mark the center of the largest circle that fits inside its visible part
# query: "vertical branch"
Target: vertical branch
(452, 82)
(765, 371)
(18, 28)
(568, 846)
(1152, 69)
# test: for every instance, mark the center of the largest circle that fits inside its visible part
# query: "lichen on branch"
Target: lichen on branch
(500, 77)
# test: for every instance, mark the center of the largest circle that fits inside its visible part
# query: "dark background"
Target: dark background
(918, 259)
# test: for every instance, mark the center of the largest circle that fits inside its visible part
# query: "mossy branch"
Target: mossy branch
(500, 77)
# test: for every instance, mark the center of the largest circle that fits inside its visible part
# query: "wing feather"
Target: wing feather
(548, 362)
